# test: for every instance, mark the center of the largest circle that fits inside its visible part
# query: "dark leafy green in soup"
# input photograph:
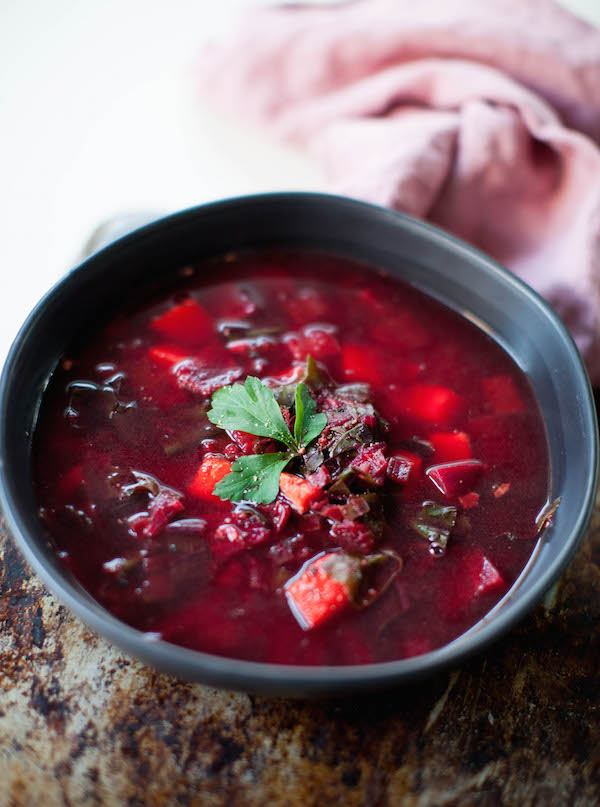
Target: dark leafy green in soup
(292, 458)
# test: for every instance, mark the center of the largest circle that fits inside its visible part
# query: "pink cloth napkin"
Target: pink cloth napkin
(482, 117)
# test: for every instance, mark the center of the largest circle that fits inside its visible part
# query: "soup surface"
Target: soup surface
(400, 504)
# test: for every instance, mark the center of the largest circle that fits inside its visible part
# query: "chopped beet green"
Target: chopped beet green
(299, 493)
(546, 514)
(435, 522)
(211, 471)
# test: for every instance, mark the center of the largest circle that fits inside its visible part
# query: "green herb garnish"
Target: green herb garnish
(251, 407)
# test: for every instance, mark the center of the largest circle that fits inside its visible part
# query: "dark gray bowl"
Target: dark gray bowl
(431, 260)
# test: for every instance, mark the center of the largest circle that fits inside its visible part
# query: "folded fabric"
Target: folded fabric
(482, 117)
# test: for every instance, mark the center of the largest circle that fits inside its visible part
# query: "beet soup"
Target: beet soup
(289, 457)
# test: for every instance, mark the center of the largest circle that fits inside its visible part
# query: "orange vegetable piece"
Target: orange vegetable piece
(300, 493)
(186, 323)
(211, 471)
(314, 596)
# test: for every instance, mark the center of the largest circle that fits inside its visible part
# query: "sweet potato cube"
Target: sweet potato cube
(431, 403)
(186, 323)
(315, 596)
(300, 493)
(211, 471)
(451, 446)
(502, 395)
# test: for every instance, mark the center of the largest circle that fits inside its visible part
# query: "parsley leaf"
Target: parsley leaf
(308, 423)
(250, 407)
(254, 478)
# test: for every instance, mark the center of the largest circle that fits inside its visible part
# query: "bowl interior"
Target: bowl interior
(427, 258)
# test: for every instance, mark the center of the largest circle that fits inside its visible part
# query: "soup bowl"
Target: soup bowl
(429, 259)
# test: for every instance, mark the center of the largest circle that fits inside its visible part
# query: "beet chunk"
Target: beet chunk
(203, 381)
(475, 576)
(454, 478)
(162, 508)
(371, 463)
(353, 536)
(244, 529)
(405, 467)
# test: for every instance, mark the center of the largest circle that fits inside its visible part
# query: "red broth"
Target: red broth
(126, 460)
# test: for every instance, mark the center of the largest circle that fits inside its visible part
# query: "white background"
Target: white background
(101, 115)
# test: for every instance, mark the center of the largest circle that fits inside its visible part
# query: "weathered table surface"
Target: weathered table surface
(83, 724)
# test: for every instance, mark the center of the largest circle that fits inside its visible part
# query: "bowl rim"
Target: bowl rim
(280, 679)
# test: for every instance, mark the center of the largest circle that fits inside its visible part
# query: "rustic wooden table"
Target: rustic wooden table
(82, 724)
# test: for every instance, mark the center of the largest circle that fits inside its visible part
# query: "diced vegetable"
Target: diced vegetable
(307, 305)
(300, 493)
(167, 355)
(323, 588)
(353, 536)
(211, 471)
(450, 446)
(316, 341)
(245, 528)
(186, 323)
(502, 395)
(359, 362)
(404, 467)
(204, 381)
(430, 403)
(474, 576)
(256, 346)
(321, 478)
(162, 508)
(371, 463)
(250, 443)
(455, 478)
(469, 500)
